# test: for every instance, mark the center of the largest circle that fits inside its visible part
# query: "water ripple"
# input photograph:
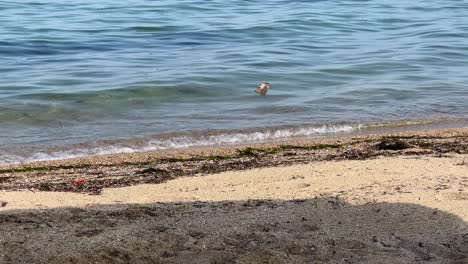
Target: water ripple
(87, 69)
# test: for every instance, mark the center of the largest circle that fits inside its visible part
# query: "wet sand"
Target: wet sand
(382, 199)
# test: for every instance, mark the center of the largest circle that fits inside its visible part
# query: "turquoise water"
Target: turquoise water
(120, 76)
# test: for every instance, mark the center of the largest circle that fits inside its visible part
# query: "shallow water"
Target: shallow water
(77, 73)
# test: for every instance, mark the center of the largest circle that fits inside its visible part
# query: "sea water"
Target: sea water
(81, 78)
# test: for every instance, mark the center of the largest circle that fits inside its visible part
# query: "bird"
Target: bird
(262, 89)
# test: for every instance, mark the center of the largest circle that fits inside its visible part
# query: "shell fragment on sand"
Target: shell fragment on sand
(262, 89)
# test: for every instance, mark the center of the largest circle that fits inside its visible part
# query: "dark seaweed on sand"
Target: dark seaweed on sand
(95, 177)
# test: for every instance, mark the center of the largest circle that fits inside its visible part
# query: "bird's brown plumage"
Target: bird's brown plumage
(263, 88)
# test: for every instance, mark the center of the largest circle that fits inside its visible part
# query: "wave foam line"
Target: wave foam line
(182, 142)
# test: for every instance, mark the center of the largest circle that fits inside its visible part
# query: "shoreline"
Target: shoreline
(189, 140)
(92, 174)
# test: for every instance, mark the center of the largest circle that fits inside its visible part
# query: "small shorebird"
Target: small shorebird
(263, 88)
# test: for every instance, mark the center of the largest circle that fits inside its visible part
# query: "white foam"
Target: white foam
(253, 137)
(181, 142)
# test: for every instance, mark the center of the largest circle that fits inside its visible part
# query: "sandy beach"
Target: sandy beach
(400, 198)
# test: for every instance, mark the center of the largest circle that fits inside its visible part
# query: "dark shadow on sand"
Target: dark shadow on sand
(324, 230)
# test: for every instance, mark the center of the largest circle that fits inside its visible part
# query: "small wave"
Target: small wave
(253, 137)
(165, 142)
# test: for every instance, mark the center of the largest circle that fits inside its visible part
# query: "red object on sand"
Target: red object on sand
(80, 181)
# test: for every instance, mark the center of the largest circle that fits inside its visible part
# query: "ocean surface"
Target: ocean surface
(88, 77)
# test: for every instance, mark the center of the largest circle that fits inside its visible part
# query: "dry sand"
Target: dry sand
(428, 181)
(387, 209)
